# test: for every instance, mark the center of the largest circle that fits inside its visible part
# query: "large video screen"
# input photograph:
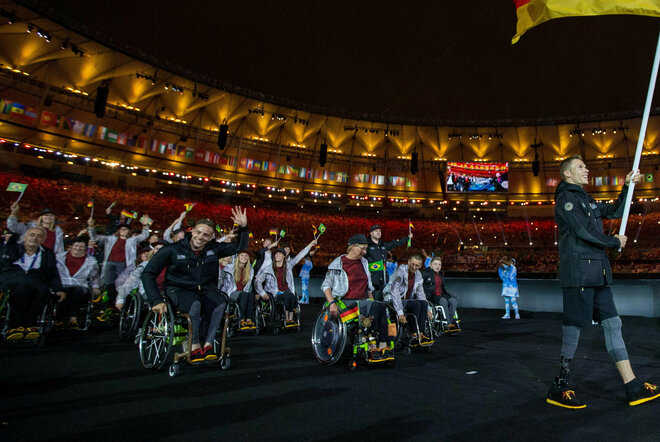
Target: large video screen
(477, 177)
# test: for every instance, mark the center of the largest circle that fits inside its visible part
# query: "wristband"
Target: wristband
(331, 302)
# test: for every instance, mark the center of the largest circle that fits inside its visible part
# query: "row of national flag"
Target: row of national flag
(199, 156)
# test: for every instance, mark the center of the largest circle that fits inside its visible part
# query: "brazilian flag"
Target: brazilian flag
(376, 266)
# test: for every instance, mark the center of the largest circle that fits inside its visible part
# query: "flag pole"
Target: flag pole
(20, 196)
(640, 140)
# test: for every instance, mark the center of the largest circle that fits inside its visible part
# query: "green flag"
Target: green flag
(16, 187)
(376, 266)
(321, 228)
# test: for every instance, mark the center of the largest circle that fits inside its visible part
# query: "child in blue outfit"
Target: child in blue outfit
(304, 276)
(508, 272)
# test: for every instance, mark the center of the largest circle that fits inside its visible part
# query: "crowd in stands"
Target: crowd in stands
(530, 241)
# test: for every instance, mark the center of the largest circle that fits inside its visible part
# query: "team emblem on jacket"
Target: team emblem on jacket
(568, 206)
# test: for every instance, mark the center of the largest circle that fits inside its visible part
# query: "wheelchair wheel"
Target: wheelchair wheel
(46, 322)
(267, 313)
(129, 318)
(329, 338)
(234, 318)
(157, 338)
(439, 321)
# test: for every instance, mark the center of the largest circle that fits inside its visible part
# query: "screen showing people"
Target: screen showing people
(477, 177)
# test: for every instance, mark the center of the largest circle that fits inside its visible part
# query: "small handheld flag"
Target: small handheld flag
(17, 187)
(282, 233)
(218, 229)
(315, 230)
(273, 232)
(250, 235)
(350, 313)
(189, 206)
(321, 228)
(146, 220)
(90, 204)
(128, 214)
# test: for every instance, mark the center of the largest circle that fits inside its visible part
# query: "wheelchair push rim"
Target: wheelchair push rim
(328, 338)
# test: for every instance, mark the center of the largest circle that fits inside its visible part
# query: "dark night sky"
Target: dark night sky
(438, 60)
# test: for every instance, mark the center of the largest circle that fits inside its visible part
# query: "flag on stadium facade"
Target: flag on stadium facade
(532, 13)
(48, 118)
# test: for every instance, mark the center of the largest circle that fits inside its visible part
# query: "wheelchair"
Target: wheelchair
(45, 322)
(279, 320)
(441, 325)
(408, 335)
(130, 317)
(234, 318)
(84, 314)
(334, 339)
(160, 333)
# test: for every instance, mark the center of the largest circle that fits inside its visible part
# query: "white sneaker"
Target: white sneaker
(517, 316)
(506, 316)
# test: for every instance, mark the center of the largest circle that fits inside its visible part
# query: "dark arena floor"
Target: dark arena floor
(489, 383)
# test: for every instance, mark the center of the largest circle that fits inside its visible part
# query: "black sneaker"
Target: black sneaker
(563, 397)
(376, 355)
(646, 393)
(197, 355)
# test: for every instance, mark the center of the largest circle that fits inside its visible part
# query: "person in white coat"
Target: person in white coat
(79, 274)
(119, 250)
(54, 235)
(277, 280)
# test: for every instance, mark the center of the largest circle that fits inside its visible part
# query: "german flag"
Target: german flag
(531, 13)
(273, 231)
(350, 313)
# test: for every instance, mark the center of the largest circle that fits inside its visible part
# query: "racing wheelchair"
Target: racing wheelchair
(160, 333)
(348, 336)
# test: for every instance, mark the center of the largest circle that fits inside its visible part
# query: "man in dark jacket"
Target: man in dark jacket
(584, 275)
(192, 278)
(29, 272)
(376, 257)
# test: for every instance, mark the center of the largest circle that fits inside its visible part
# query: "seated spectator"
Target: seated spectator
(79, 274)
(192, 279)
(29, 272)
(408, 295)
(54, 235)
(436, 292)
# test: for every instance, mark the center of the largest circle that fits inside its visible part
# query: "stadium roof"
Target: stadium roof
(444, 63)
